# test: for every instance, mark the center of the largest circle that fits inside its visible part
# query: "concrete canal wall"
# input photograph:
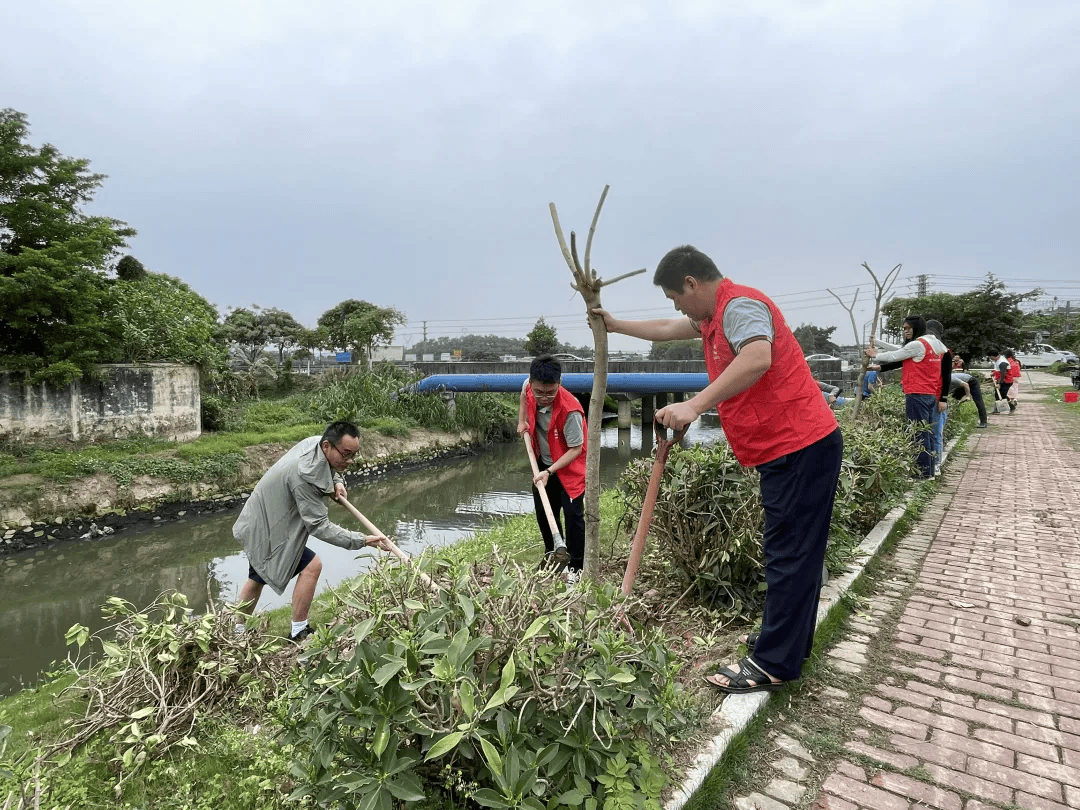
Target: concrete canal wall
(156, 399)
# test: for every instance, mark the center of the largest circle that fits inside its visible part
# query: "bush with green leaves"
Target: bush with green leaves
(159, 669)
(708, 516)
(708, 519)
(504, 688)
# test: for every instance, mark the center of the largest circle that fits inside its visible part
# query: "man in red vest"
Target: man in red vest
(775, 420)
(556, 424)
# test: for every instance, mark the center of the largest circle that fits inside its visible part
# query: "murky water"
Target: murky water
(44, 592)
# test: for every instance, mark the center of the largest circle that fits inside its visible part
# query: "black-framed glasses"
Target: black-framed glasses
(346, 455)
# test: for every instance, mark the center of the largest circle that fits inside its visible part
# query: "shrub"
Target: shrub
(146, 689)
(708, 519)
(504, 688)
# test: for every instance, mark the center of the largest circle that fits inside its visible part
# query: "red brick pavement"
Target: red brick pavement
(984, 711)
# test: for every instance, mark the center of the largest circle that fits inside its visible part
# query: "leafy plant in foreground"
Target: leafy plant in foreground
(504, 688)
(159, 670)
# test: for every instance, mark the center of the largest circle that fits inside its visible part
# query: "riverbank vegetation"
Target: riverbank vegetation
(371, 399)
(502, 690)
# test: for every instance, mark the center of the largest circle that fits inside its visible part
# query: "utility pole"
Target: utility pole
(922, 288)
(425, 334)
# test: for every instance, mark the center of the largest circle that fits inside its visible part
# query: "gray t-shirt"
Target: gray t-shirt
(957, 378)
(744, 319)
(573, 431)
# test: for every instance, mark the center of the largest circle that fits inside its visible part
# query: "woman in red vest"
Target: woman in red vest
(1013, 378)
(925, 382)
(556, 424)
(777, 421)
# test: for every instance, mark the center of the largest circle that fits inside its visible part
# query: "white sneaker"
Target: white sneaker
(572, 576)
(937, 470)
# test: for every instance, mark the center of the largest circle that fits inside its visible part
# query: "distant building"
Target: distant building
(387, 354)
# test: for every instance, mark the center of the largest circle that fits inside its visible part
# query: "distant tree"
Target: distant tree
(816, 339)
(283, 331)
(541, 340)
(53, 259)
(975, 322)
(161, 319)
(130, 269)
(360, 326)
(677, 350)
(247, 329)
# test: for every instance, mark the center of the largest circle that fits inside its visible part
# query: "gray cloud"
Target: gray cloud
(406, 153)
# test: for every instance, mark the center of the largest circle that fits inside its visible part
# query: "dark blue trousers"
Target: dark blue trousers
(920, 409)
(797, 493)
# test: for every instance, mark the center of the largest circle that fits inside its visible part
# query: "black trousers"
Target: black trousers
(976, 397)
(574, 509)
(797, 493)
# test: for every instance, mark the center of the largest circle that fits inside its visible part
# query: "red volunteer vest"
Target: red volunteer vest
(783, 411)
(923, 376)
(1014, 371)
(572, 476)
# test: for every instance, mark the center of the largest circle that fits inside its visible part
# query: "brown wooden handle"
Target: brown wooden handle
(637, 545)
(397, 552)
(542, 490)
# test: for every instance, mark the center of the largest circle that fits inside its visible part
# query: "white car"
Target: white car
(821, 357)
(1042, 355)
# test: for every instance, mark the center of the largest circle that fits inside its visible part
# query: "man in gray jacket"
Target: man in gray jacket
(286, 507)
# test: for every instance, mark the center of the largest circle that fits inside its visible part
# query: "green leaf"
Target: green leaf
(492, 756)
(622, 677)
(509, 673)
(146, 711)
(112, 649)
(77, 635)
(446, 744)
(361, 631)
(412, 604)
(468, 698)
(380, 738)
(486, 797)
(406, 788)
(387, 671)
(467, 607)
(538, 624)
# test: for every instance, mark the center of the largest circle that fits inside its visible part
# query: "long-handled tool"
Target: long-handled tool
(637, 546)
(559, 552)
(390, 545)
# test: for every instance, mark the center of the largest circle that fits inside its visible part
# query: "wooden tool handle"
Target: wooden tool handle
(542, 490)
(397, 552)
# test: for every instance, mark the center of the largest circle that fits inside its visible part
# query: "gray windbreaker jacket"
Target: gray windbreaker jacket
(286, 507)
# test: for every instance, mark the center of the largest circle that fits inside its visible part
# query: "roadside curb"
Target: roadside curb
(736, 711)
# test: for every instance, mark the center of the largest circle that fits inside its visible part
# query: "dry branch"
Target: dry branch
(588, 284)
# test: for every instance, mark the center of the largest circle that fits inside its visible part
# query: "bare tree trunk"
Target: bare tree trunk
(588, 284)
(881, 289)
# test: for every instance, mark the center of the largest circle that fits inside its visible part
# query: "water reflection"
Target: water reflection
(42, 593)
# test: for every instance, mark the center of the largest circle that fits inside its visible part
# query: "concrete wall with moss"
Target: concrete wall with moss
(160, 400)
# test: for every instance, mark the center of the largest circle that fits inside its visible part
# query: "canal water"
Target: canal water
(44, 592)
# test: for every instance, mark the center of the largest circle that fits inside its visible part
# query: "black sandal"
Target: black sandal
(751, 640)
(739, 680)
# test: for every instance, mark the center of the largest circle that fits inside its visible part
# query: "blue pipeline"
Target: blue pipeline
(657, 383)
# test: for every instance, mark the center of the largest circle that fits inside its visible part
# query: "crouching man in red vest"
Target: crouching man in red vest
(556, 424)
(775, 420)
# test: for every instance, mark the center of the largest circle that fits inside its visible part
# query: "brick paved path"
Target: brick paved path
(965, 666)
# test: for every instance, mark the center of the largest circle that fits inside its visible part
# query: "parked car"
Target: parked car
(1042, 355)
(821, 357)
(565, 356)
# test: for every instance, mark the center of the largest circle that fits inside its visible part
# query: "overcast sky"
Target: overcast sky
(293, 155)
